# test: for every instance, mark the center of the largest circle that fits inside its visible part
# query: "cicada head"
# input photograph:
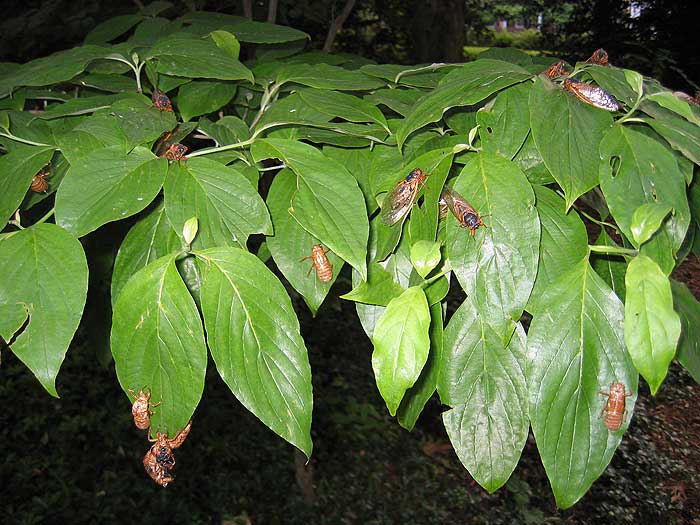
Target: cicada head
(558, 69)
(161, 101)
(599, 56)
(176, 152)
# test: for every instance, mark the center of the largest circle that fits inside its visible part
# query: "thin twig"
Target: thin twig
(337, 25)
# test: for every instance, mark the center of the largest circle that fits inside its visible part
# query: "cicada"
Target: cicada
(684, 96)
(592, 95)
(319, 261)
(39, 182)
(159, 459)
(176, 152)
(614, 409)
(141, 409)
(599, 56)
(460, 208)
(558, 69)
(161, 101)
(400, 200)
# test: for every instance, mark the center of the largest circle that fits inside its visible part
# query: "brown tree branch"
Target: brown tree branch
(248, 9)
(271, 11)
(337, 25)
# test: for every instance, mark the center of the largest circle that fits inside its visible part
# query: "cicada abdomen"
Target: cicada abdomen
(161, 101)
(558, 69)
(320, 262)
(39, 182)
(176, 152)
(141, 409)
(591, 95)
(599, 56)
(614, 409)
(460, 208)
(401, 198)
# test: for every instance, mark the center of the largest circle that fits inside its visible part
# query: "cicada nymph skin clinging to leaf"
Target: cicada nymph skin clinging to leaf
(160, 459)
(614, 409)
(558, 69)
(161, 101)
(592, 95)
(39, 182)
(599, 56)
(319, 261)
(466, 215)
(141, 409)
(176, 152)
(400, 200)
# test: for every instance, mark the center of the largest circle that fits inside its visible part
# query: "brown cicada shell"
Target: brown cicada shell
(176, 152)
(460, 208)
(399, 200)
(160, 459)
(39, 182)
(591, 95)
(319, 261)
(157, 473)
(599, 56)
(161, 101)
(558, 69)
(614, 409)
(141, 409)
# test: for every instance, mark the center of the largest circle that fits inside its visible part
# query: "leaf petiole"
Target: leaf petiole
(612, 250)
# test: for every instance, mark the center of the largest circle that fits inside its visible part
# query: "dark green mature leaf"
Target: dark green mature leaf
(200, 97)
(79, 106)
(368, 314)
(564, 242)
(107, 185)
(149, 239)
(291, 242)
(613, 80)
(682, 135)
(141, 121)
(652, 327)
(328, 202)
(228, 207)
(359, 163)
(504, 126)
(112, 28)
(106, 82)
(379, 289)
(325, 76)
(567, 133)
(497, 266)
(95, 133)
(635, 170)
(688, 310)
(399, 100)
(227, 42)
(575, 349)
(666, 99)
(347, 107)
(611, 268)
(185, 56)
(53, 295)
(484, 383)
(253, 334)
(464, 86)
(158, 343)
(401, 345)
(530, 161)
(263, 33)
(17, 169)
(12, 317)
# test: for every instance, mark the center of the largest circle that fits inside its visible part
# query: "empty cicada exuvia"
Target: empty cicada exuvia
(141, 409)
(592, 95)
(176, 152)
(614, 409)
(460, 208)
(161, 101)
(599, 56)
(319, 261)
(558, 69)
(401, 198)
(159, 460)
(39, 182)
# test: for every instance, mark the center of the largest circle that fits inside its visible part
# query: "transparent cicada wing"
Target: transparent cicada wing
(457, 204)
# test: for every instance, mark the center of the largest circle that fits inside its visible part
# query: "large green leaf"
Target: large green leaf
(141, 121)
(682, 135)
(380, 287)
(484, 383)
(688, 310)
(636, 170)
(652, 327)
(504, 126)
(567, 133)
(228, 207)
(646, 220)
(575, 348)
(107, 185)
(325, 76)
(112, 28)
(44, 270)
(328, 202)
(200, 97)
(496, 266)
(291, 242)
(94, 133)
(337, 104)
(401, 345)
(17, 169)
(464, 86)
(158, 343)
(149, 239)
(253, 334)
(264, 33)
(611, 268)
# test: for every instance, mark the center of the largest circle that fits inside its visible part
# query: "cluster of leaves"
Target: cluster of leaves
(335, 134)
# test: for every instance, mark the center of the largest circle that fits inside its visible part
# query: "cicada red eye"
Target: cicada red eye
(614, 409)
(176, 152)
(161, 101)
(320, 262)
(461, 209)
(599, 56)
(400, 200)
(591, 95)
(558, 69)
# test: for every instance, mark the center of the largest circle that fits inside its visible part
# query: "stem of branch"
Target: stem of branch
(248, 9)
(271, 11)
(612, 250)
(337, 25)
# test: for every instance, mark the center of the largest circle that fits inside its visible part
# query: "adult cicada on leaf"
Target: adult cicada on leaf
(591, 95)
(466, 215)
(558, 69)
(400, 200)
(599, 56)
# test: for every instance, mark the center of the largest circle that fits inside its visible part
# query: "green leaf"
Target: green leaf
(668, 100)
(614, 81)
(611, 268)
(567, 133)
(112, 28)
(158, 342)
(635, 170)
(564, 242)
(228, 207)
(504, 126)
(635, 80)
(368, 314)
(328, 202)
(12, 317)
(200, 97)
(226, 41)
(682, 135)
(254, 337)
(347, 107)
(291, 242)
(425, 255)
(398, 100)
(401, 345)
(325, 76)
(264, 33)
(141, 121)
(17, 169)
(79, 106)
(688, 310)
(107, 185)
(652, 327)
(185, 56)
(484, 383)
(379, 289)
(646, 220)
(53, 295)
(575, 349)
(149, 239)
(530, 161)
(464, 86)
(497, 266)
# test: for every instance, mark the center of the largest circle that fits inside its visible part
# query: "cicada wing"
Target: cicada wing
(457, 204)
(398, 202)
